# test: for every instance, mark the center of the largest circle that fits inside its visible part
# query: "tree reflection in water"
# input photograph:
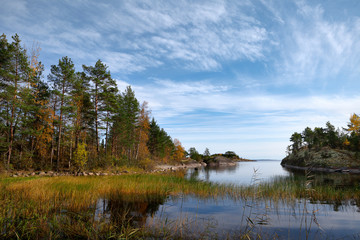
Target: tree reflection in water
(128, 209)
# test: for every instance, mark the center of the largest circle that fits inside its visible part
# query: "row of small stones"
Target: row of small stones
(55, 174)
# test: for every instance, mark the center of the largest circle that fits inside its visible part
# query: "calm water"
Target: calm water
(244, 173)
(300, 220)
(226, 218)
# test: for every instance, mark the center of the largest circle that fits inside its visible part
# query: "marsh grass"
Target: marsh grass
(65, 207)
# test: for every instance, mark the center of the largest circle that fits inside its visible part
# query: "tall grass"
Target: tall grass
(65, 207)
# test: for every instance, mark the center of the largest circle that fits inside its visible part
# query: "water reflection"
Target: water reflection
(337, 180)
(127, 209)
(232, 219)
(302, 218)
(240, 174)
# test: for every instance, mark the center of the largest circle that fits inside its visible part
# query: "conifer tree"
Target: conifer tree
(103, 92)
(14, 69)
(62, 76)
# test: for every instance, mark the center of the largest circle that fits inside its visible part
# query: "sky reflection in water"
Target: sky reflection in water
(228, 218)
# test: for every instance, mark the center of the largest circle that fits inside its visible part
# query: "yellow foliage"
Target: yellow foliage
(179, 150)
(143, 132)
(346, 142)
(81, 155)
(354, 125)
(146, 163)
(44, 131)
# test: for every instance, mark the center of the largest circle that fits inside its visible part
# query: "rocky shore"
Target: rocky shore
(221, 161)
(62, 173)
(323, 160)
(159, 168)
(186, 164)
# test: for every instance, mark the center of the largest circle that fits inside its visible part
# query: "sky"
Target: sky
(224, 75)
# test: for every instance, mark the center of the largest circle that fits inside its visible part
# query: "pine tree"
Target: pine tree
(128, 115)
(62, 77)
(104, 92)
(14, 70)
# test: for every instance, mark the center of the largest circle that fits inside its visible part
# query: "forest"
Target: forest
(346, 138)
(72, 119)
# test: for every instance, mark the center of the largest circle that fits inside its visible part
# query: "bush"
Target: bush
(81, 156)
(146, 164)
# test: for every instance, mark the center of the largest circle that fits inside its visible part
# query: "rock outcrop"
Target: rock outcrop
(325, 159)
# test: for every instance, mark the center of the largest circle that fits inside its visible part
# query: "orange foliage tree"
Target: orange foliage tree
(179, 151)
(142, 132)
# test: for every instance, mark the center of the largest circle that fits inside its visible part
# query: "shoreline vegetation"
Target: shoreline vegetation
(98, 207)
(216, 160)
(326, 149)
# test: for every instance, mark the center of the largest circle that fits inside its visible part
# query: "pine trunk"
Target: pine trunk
(60, 127)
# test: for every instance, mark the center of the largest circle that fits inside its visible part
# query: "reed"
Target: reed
(65, 207)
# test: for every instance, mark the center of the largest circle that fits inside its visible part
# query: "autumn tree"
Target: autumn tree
(65, 118)
(354, 124)
(43, 123)
(353, 140)
(142, 132)
(179, 151)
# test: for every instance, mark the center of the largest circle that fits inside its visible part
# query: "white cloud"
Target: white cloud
(300, 45)
(204, 114)
(314, 48)
(128, 63)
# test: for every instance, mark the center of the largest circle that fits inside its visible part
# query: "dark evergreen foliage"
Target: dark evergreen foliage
(42, 124)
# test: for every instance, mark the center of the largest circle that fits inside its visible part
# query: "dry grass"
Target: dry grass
(64, 207)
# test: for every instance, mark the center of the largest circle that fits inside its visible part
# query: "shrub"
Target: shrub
(81, 156)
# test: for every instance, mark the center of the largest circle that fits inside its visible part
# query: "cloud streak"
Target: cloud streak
(235, 75)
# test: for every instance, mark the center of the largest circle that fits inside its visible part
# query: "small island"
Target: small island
(326, 149)
(196, 160)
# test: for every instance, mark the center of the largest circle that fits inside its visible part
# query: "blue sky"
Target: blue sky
(227, 75)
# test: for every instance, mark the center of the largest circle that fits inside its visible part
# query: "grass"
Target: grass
(64, 207)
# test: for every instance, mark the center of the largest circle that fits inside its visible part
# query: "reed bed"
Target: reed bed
(65, 207)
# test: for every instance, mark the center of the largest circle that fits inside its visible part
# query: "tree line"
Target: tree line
(346, 138)
(72, 119)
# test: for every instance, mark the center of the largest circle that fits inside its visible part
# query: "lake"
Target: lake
(227, 218)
